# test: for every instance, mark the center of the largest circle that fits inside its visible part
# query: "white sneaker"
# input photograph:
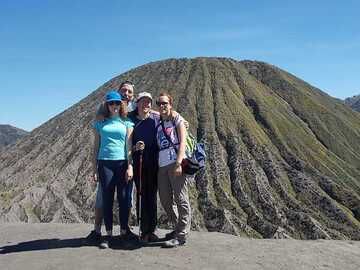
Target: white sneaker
(105, 243)
(174, 243)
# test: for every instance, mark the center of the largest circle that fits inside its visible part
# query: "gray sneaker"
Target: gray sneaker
(174, 243)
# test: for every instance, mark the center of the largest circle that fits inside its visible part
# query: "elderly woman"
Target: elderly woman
(145, 152)
(172, 182)
(113, 169)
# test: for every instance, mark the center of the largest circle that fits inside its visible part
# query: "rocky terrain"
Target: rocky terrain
(283, 156)
(10, 134)
(354, 102)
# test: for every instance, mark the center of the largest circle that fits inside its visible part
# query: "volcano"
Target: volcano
(283, 156)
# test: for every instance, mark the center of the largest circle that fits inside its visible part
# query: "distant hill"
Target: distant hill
(283, 156)
(354, 102)
(10, 134)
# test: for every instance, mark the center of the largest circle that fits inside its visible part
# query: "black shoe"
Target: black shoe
(105, 243)
(129, 235)
(174, 243)
(149, 237)
(93, 238)
(170, 235)
(152, 237)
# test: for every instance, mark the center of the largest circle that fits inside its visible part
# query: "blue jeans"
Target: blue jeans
(112, 176)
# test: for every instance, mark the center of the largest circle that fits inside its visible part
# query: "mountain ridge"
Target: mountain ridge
(353, 102)
(281, 162)
(10, 134)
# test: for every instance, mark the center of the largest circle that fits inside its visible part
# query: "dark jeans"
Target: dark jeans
(112, 176)
(148, 197)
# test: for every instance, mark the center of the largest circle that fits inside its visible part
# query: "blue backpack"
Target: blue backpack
(195, 156)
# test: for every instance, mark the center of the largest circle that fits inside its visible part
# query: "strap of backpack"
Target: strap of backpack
(167, 136)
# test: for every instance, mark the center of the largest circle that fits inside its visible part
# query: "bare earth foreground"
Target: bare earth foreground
(61, 246)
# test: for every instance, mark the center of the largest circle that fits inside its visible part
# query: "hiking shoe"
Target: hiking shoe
(144, 238)
(174, 243)
(170, 235)
(105, 243)
(93, 237)
(129, 235)
(152, 237)
(149, 237)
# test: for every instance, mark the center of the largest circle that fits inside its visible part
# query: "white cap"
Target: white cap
(142, 95)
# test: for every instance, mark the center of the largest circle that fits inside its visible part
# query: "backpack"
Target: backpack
(195, 154)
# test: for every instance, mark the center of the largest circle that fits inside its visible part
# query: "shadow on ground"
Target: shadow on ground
(55, 243)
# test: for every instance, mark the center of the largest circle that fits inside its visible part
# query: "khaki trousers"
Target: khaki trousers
(174, 197)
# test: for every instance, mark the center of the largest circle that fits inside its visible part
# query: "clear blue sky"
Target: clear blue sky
(53, 53)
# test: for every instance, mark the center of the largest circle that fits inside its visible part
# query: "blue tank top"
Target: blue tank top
(112, 132)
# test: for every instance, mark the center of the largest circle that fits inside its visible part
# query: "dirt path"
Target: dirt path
(60, 246)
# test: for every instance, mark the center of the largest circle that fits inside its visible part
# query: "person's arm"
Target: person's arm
(174, 114)
(154, 112)
(181, 130)
(95, 154)
(129, 172)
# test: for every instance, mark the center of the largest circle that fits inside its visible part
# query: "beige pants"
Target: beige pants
(174, 197)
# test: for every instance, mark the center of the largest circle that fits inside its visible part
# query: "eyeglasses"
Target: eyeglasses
(111, 103)
(162, 103)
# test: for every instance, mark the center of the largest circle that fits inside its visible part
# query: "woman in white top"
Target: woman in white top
(172, 184)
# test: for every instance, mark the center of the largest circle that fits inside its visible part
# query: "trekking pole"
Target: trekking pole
(140, 189)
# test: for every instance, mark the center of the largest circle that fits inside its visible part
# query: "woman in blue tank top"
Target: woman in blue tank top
(113, 169)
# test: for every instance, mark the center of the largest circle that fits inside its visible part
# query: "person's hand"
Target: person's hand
(177, 170)
(186, 124)
(94, 177)
(139, 146)
(129, 173)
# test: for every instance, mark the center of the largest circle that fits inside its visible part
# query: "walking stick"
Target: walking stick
(140, 190)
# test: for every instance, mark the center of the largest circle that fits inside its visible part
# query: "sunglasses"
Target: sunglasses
(162, 103)
(111, 103)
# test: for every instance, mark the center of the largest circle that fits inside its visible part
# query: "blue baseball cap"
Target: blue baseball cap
(113, 96)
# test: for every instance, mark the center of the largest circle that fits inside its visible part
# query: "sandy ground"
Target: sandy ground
(61, 246)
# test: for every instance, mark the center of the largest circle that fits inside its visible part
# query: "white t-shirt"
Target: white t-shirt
(131, 106)
(167, 154)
